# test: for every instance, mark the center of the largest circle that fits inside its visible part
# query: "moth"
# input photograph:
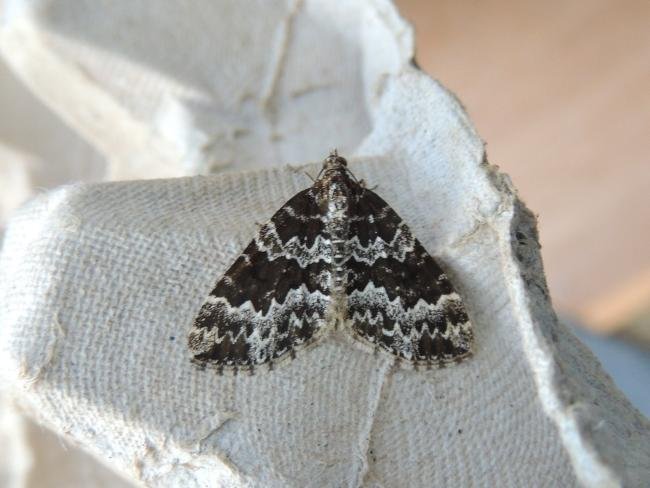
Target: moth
(334, 256)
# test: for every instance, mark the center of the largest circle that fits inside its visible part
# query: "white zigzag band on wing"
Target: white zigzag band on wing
(421, 314)
(264, 340)
(269, 242)
(400, 245)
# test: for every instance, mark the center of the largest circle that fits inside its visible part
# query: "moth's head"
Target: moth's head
(334, 161)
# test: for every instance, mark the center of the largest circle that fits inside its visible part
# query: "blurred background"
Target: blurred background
(559, 91)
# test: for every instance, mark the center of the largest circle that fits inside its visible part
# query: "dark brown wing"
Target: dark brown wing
(275, 295)
(398, 296)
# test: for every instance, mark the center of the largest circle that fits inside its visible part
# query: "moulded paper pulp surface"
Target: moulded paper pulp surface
(101, 282)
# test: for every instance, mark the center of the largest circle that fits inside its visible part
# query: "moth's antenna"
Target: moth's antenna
(334, 153)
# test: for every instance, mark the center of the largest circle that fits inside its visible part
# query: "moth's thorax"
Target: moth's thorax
(334, 193)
